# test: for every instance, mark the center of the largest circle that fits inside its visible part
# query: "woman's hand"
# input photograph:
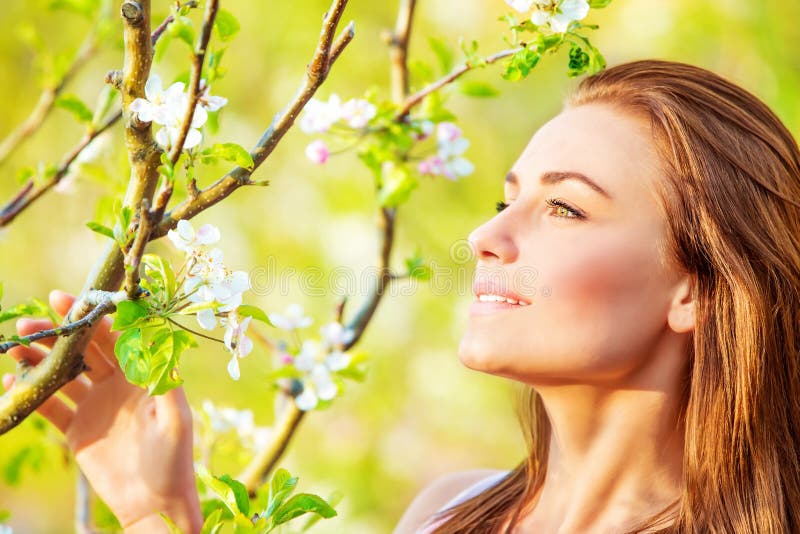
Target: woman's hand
(135, 450)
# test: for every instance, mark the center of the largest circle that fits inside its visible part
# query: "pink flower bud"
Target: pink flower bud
(318, 152)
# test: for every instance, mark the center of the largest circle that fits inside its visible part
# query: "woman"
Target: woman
(660, 215)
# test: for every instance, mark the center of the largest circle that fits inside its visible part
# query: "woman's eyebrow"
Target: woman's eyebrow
(553, 177)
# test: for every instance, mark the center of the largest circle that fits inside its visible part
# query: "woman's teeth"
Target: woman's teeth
(500, 298)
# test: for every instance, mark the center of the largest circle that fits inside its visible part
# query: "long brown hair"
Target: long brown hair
(731, 196)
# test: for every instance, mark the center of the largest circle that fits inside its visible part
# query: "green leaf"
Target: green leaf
(335, 498)
(30, 456)
(215, 69)
(195, 307)
(255, 312)
(416, 267)
(129, 312)
(300, 504)
(598, 4)
(4, 515)
(86, 8)
(218, 487)
(173, 528)
(75, 105)
(34, 308)
(444, 54)
(226, 24)
(397, 186)
(212, 524)
(520, 64)
(164, 372)
(281, 486)
(160, 278)
(132, 356)
(239, 491)
(183, 29)
(100, 229)
(477, 89)
(232, 152)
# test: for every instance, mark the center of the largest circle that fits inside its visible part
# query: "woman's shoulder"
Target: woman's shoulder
(439, 493)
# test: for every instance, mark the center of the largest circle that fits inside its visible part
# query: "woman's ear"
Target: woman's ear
(681, 317)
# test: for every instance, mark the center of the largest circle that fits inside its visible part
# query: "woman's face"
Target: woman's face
(599, 293)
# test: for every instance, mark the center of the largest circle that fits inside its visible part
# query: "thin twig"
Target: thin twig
(386, 239)
(106, 304)
(198, 59)
(195, 332)
(417, 97)
(133, 256)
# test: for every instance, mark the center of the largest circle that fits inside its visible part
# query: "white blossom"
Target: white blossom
(237, 342)
(448, 160)
(358, 112)
(209, 102)
(293, 318)
(318, 116)
(557, 14)
(334, 335)
(520, 5)
(168, 109)
(242, 421)
(317, 362)
(185, 238)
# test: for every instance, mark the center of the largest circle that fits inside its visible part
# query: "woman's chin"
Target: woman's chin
(478, 354)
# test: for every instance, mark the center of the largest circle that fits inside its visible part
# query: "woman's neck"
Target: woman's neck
(616, 451)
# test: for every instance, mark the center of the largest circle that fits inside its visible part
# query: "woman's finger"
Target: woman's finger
(99, 366)
(103, 336)
(53, 409)
(75, 389)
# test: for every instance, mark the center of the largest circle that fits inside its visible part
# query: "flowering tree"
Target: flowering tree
(401, 140)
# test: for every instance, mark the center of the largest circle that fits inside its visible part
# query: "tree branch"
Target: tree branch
(65, 361)
(46, 100)
(398, 50)
(260, 467)
(284, 120)
(198, 60)
(104, 302)
(27, 195)
(417, 97)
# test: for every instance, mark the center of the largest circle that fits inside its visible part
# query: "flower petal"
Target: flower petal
(233, 368)
(207, 319)
(307, 400)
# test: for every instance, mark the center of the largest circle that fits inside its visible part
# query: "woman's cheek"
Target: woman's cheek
(596, 310)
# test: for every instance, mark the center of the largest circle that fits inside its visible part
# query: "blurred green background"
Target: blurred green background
(420, 414)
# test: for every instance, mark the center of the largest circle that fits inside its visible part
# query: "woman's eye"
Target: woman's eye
(562, 207)
(500, 206)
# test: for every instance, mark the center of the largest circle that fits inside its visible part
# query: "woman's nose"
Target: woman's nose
(492, 242)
